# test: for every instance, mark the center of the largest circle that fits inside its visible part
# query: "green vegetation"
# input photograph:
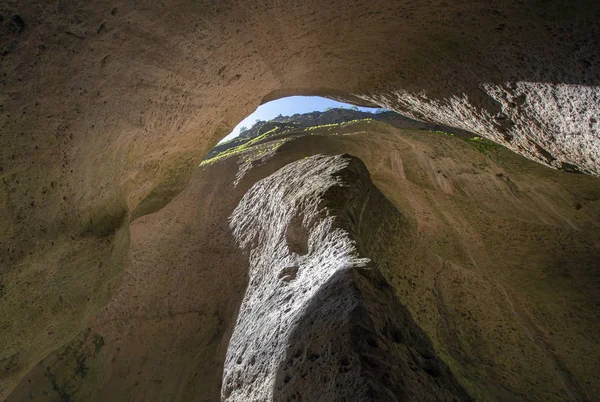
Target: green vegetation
(242, 145)
(346, 123)
(237, 149)
(262, 149)
(483, 145)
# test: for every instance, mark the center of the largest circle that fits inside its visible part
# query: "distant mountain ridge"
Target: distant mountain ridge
(303, 120)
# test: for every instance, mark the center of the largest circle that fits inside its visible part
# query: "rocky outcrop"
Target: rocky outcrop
(330, 116)
(527, 117)
(319, 321)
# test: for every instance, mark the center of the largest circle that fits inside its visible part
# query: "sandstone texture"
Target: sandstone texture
(473, 275)
(106, 108)
(318, 321)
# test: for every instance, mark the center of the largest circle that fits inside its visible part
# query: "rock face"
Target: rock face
(319, 322)
(107, 107)
(487, 257)
(528, 116)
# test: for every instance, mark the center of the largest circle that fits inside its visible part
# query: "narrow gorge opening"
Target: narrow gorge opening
(442, 219)
(284, 117)
(286, 109)
(120, 277)
(277, 121)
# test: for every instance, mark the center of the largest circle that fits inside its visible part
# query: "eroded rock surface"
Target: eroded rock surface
(106, 107)
(494, 257)
(319, 322)
(529, 118)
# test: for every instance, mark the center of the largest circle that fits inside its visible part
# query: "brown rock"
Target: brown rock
(502, 282)
(122, 117)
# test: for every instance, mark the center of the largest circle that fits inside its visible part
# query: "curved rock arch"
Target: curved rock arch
(105, 105)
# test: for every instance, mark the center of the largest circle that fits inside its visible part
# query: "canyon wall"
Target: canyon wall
(465, 270)
(106, 107)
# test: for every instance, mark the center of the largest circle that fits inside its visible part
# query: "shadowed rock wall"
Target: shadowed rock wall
(107, 106)
(494, 257)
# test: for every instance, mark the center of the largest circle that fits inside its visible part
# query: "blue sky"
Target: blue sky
(287, 107)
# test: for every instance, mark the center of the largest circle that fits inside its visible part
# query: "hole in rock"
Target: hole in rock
(259, 135)
(277, 121)
(288, 274)
(290, 109)
(296, 236)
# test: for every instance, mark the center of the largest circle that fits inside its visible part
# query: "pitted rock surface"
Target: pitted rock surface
(529, 119)
(324, 325)
(107, 107)
(494, 257)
